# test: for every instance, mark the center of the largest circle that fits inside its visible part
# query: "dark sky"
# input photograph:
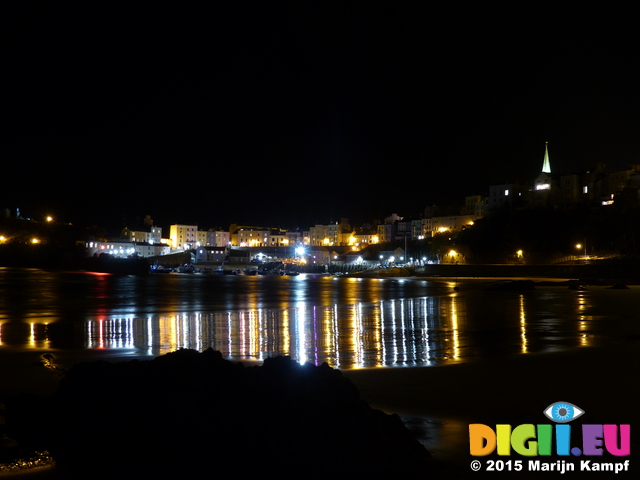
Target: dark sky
(292, 113)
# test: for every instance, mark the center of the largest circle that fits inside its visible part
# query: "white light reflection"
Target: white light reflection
(403, 330)
(383, 333)
(150, 336)
(425, 331)
(229, 325)
(300, 350)
(357, 340)
(32, 335)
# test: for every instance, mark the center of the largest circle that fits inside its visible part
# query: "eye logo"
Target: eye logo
(562, 412)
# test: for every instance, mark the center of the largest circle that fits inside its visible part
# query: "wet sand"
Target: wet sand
(442, 401)
(439, 402)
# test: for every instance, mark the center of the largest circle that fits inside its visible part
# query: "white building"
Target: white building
(124, 249)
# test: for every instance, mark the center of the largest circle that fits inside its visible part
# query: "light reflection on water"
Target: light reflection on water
(361, 335)
(346, 322)
(398, 332)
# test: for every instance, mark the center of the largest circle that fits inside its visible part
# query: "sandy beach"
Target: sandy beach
(514, 391)
(439, 402)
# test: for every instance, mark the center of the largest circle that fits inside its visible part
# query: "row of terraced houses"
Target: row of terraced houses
(594, 186)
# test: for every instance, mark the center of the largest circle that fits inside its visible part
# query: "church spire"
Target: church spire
(546, 165)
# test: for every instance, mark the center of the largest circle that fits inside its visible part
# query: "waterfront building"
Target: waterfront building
(333, 234)
(183, 237)
(125, 249)
(386, 232)
(210, 254)
(296, 238)
(251, 237)
(318, 255)
(364, 237)
(220, 238)
(145, 233)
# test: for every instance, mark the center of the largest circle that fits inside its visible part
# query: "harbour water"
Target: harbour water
(354, 324)
(346, 322)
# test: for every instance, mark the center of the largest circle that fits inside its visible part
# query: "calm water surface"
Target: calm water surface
(346, 322)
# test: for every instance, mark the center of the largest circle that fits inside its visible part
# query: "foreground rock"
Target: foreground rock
(189, 413)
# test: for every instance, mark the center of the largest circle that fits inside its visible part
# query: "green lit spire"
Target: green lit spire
(546, 165)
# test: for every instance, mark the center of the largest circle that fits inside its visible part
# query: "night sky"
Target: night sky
(295, 113)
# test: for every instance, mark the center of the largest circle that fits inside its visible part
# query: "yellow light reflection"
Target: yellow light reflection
(454, 328)
(338, 329)
(583, 329)
(523, 326)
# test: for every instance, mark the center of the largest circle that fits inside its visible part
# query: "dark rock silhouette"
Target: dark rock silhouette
(189, 413)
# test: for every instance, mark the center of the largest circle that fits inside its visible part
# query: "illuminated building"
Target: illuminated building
(183, 237)
(333, 234)
(451, 224)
